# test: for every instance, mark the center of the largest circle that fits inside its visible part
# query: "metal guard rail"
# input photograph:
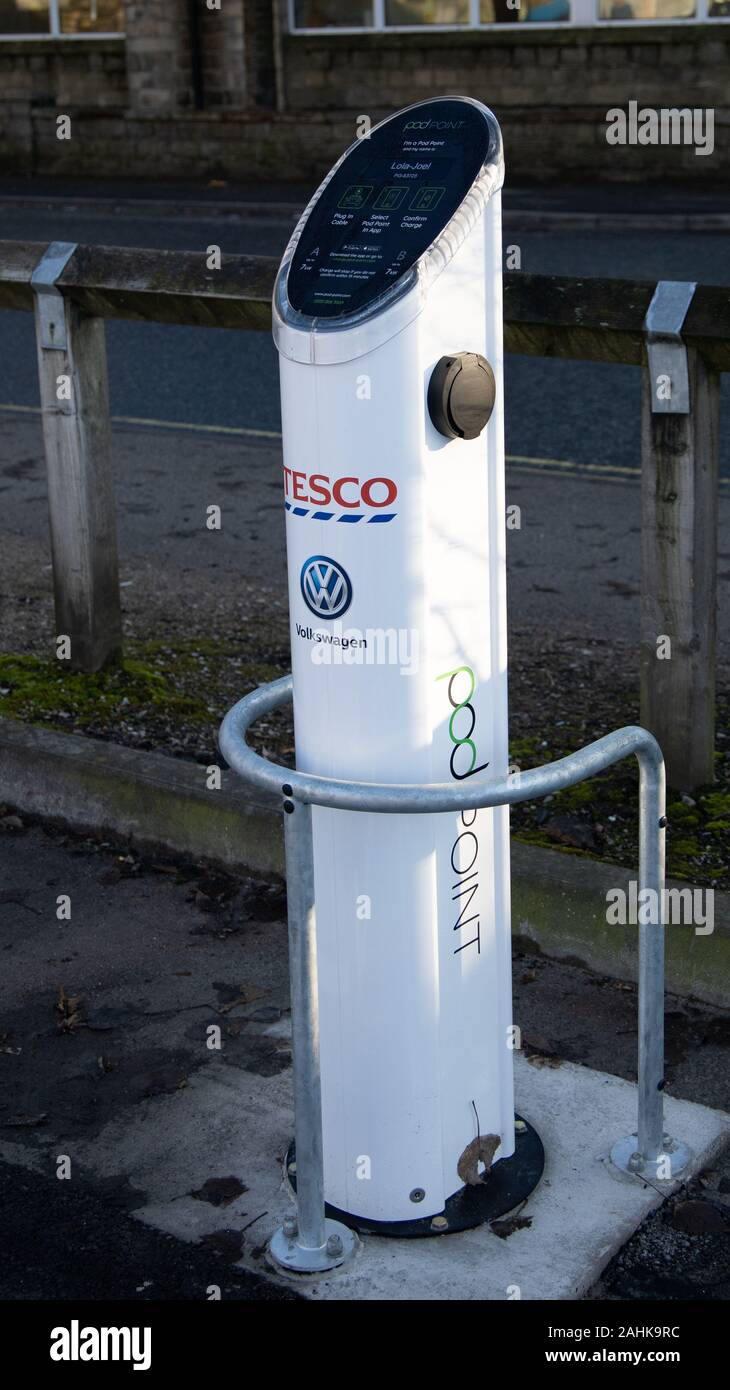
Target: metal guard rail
(648, 1152)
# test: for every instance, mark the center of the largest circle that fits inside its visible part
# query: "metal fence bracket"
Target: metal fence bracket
(52, 318)
(665, 348)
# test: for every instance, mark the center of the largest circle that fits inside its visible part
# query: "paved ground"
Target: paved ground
(106, 1013)
(103, 1251)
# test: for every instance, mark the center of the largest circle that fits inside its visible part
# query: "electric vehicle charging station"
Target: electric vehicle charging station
(388, 322)
(388, 319)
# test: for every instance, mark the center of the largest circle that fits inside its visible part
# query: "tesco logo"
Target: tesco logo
(348, 492)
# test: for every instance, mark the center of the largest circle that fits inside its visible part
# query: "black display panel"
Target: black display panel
(388, 201)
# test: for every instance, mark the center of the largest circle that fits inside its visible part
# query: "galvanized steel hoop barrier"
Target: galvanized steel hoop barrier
(312, 1242)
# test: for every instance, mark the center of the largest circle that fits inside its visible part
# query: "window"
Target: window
(60, 18)
(91, 16)
(647, 9)
(426, 12)
(528, 11)
(24, 17)
(381, 15)
(329, 14)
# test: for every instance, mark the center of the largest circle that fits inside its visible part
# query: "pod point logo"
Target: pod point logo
(325, 586)
(434, 124)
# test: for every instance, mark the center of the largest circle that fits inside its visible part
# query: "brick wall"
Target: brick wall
(223, 56)
(158, 55)
(550, 89)
(189, 144)
(43, 79)
(260, 48)
(132, 102)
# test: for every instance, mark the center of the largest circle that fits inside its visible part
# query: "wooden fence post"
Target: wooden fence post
(81, 504)
(679, 492)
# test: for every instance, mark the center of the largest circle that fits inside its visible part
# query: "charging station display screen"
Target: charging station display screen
(388, 201)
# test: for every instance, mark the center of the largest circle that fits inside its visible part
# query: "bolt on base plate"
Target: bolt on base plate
(668, 1166)
(340, 1245)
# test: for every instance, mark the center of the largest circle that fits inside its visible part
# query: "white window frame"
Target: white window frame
(584, 14)
(54, 30)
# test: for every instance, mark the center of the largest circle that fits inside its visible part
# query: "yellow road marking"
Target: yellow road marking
(162, 424)
(570, 463)
(202, 429)
(567, 467)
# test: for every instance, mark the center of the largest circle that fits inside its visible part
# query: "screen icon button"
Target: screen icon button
(389, 198)
(356, 195)
(426, 199)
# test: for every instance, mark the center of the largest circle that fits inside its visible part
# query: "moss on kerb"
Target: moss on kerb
(47, 692)
(177, 681)
(607, 806)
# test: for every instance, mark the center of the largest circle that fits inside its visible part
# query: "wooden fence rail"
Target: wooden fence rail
(545, 316)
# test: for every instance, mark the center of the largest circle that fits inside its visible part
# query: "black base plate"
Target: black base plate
(508, 1183)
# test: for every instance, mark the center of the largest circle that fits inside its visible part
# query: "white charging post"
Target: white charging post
(388, 322)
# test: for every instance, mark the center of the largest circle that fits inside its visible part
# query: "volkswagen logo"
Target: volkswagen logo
(326, 588)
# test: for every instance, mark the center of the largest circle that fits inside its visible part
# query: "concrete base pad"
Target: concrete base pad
(225, 1122)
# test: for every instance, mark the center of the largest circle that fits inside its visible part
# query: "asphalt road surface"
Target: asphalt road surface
(577, 412)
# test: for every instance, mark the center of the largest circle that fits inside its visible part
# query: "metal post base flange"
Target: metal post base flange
(666, 1167)
(340, 1245)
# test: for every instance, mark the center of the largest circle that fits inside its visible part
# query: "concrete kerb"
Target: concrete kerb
(152, 800)
(559, 908)
(558, 899)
